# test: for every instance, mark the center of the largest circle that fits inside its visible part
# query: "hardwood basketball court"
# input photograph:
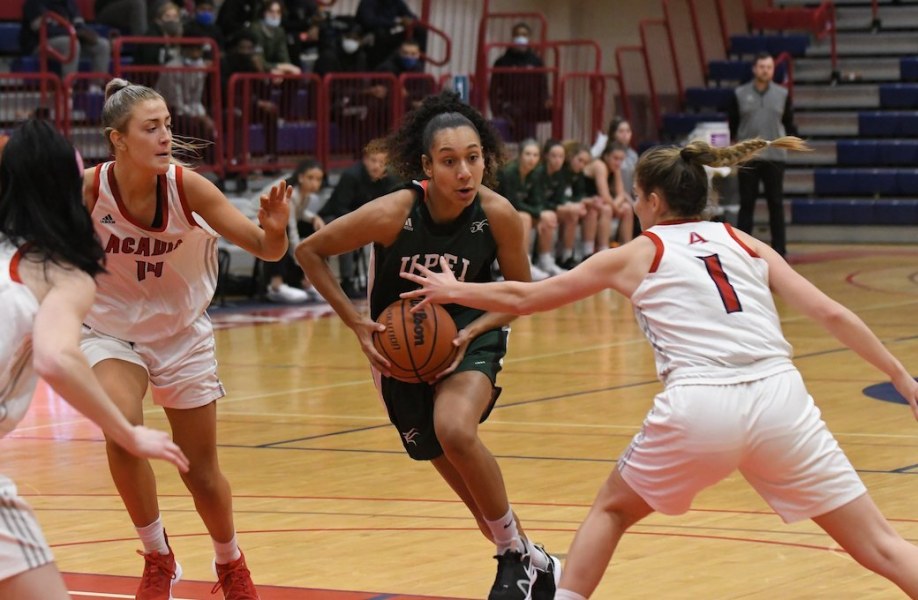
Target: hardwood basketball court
(328, 506)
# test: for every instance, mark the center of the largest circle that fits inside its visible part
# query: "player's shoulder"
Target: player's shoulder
(494, 204)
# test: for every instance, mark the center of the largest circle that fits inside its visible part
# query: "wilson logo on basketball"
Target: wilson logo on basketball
(419, 318)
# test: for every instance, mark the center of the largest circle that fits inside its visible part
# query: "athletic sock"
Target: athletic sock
(506, 535)
(226, 552)
(568, 595)
(588, 248)
(153, 537)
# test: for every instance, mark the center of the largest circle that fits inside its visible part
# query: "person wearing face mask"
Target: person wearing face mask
(202, 23)
(408, 60)
(127, 16)
(89, 44)
(342, 49)
(390, 22)
(167, 23)
(272, 39)
(521, 98)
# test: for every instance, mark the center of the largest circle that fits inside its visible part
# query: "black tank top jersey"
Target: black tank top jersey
(589, 187)
(466, 242)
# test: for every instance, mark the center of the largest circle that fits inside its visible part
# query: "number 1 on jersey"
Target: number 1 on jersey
(724, 287)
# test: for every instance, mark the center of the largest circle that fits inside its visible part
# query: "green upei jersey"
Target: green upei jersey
(467, 243)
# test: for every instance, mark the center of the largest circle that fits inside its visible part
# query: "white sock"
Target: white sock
(545, 260)
(566, 253)
(588, 248)
(538, 557)
(153, 537)
(568, 595)
(226, 552)
(506, 535)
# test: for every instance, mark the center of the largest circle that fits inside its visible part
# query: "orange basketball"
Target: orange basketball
(417, 345)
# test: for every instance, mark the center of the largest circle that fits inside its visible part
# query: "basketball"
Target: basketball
(417, 345)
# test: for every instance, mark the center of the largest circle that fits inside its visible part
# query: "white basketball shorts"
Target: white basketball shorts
(22, 544)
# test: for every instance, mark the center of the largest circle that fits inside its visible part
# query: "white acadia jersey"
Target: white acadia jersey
(17, 377)
(159, 280)
(706, 307)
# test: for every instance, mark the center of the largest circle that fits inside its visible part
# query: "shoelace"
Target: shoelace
(152, 565)
(240, 583)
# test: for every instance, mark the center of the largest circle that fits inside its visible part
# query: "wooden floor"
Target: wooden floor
(327, 503)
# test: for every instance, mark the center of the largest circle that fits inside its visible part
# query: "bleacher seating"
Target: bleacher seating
(888, 123)
(750, 45)
(899, 95)
(908, 68)
(877, 152)
(9, 39)
(718, 99)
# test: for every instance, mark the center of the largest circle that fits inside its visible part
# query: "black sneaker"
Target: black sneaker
(569, 264)
(515, 576)
(546, 581)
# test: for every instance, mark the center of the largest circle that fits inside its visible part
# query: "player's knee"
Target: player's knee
(203, 478)
(455, 437)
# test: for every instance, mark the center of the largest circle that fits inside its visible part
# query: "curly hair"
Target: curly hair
(413, 139)
(678, 173)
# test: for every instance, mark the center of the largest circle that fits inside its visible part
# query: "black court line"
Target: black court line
(317, 437)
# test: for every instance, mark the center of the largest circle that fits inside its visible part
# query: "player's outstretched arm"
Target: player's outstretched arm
(621, 269)
(58, 360)
(837, 319)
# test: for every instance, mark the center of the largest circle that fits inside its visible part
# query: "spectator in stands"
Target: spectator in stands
(343, 48)
(520, 98)
(241, 57)
(272, 40)
(202, 23)
(167, 23)
(598, 199)
(303, 24)
(89, 43)
(557, 182)
(183, 90)
(235, 16)
(518, 182)
(620, 132)
(614, 157)
(285, 276)
(360, 183)
(129, 17)
(407, 59)
(761, 108)
(390, 22)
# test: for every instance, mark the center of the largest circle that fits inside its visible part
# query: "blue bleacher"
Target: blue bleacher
(821, 211)
(899, 95)
(9, 38)
(751, 44)
(297, 138)
(865, 182)
(701, 98)
(908, 68)
(738, 71)
(888, 123)
(877, 152)
(683, 123)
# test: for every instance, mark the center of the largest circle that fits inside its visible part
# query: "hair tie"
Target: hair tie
(685, 154)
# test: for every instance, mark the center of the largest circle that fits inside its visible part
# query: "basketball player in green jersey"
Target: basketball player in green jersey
(451, 148)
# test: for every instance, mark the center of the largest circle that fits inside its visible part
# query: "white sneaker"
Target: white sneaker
(537, 273)
(287, 294)
(551, 267)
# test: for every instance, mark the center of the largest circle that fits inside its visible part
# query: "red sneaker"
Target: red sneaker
(235, 580)
(160, 573)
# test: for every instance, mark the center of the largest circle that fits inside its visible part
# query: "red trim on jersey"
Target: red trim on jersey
(163, 193)
(96, 184)
(14, 264)
(183, 200)
(678, 221)
(659, 254)
(742, 244)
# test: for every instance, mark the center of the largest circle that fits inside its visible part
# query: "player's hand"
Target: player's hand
(435, 286)
(151, 443)
(461, 342)
(274, 210)
(908, 387)
(364, 329)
